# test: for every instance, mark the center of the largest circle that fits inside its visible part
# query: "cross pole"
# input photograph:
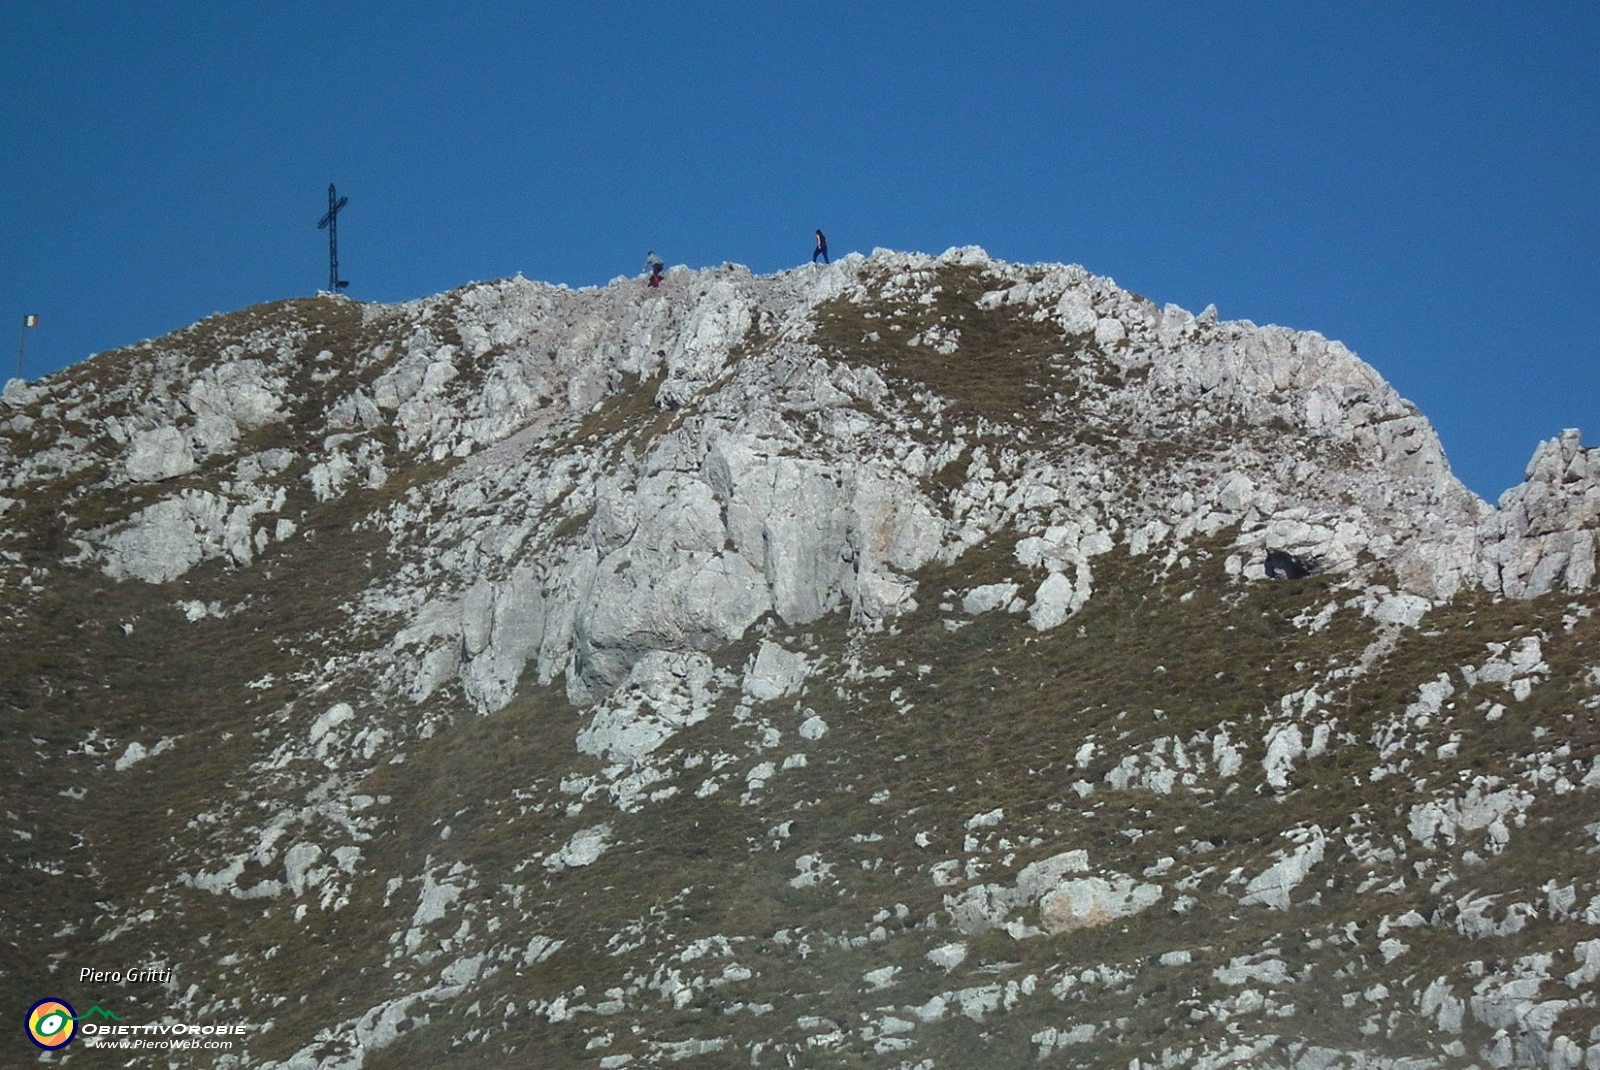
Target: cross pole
(330, 222)
(22, 340)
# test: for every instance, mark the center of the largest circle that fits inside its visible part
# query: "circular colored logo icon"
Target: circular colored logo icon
(51, 1024)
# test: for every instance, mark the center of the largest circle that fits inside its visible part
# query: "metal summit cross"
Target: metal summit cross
(331, 222)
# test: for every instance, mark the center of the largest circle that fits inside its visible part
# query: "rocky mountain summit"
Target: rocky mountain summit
(865, 665)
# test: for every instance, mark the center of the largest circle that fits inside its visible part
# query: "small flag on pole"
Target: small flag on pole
(22, 340)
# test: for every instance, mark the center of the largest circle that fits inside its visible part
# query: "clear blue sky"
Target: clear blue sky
(1418, 180)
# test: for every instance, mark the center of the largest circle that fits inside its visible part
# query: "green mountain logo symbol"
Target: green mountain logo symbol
(92, 1011)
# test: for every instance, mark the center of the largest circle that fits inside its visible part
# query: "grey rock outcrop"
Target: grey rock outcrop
(1543, 535)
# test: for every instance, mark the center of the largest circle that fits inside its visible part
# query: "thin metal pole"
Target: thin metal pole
(22, 345)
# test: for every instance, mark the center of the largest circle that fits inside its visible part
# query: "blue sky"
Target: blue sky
(1420, 181)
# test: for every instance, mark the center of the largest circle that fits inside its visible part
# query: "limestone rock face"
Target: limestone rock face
(1543, 536)
(159, 454)
(167, 539)
(803, 485)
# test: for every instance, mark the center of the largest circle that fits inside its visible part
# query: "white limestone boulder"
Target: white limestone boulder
(159, 454)
(1090, 902)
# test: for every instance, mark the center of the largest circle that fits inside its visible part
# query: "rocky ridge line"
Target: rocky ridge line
(498, 371)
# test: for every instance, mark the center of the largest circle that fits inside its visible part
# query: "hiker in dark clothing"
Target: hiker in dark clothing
(822, 248)
(653, 262)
